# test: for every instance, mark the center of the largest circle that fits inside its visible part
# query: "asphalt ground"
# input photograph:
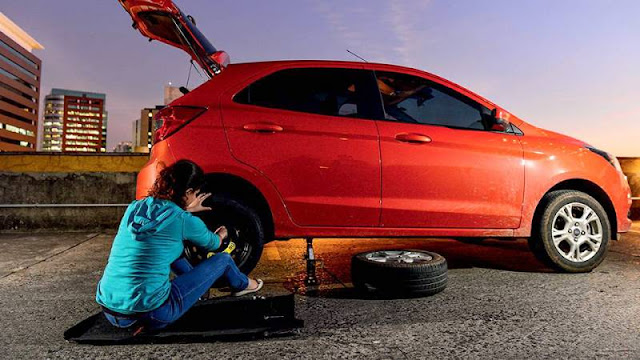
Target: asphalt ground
(500, 303)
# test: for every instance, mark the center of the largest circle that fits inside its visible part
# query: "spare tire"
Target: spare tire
(399, 273)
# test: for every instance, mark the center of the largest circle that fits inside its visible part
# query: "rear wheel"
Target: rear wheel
(572, 233)
(244, 226)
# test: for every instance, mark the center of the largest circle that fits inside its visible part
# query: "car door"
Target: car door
(446, 162)
(309, 131)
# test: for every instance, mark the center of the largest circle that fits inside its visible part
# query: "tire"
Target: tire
(245, 229)
(396, 276)
(565, 241)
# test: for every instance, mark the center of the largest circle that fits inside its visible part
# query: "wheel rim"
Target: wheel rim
(577, 232)
(238, 232)
(400, 256)
(243, 248)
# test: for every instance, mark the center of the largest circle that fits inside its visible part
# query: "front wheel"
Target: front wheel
(573, 232)
(244, 226)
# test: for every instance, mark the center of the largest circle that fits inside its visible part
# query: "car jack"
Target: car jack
(310, 279)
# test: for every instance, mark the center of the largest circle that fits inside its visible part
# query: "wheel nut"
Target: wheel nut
(577, 224)
(583, 233)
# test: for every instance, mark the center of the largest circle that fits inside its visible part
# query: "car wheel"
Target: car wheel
(572, 233)
(244, 226)
(399, 273)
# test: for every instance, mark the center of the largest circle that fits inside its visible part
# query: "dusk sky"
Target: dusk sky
(571, 66)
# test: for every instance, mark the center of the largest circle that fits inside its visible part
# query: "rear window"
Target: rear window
(323, 91)
(166, 27)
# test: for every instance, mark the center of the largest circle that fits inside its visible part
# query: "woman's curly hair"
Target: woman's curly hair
(173, 182)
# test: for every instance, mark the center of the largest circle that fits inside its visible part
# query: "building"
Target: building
(171, 93)
(74, 121)
(19, 88)
(123, 147)
(144, 130)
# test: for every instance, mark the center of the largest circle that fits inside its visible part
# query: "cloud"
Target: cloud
(336, 19)
(354, 27)
(405, 27)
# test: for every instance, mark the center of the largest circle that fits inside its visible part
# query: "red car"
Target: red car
(349, 149)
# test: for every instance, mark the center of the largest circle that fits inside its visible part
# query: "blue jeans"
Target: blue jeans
(186, 289)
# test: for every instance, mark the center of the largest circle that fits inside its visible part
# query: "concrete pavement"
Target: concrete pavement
(500, 303)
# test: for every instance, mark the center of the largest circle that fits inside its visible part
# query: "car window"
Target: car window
(413, 99)
(324, 91)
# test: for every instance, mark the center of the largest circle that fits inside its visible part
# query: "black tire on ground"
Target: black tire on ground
(425, 277)
(245, 229)
(541, 241)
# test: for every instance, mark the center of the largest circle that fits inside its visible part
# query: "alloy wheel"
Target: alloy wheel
(577, 232)
(391, 256)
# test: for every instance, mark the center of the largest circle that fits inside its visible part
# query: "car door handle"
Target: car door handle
(413, 138)
(262, 128)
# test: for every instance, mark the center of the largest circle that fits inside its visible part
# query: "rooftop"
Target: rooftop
(18, 35)
(78, 93)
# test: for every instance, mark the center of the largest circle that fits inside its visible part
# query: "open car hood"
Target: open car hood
(162, 20)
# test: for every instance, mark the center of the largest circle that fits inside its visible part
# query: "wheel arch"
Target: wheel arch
(248, 193)
(588, 188)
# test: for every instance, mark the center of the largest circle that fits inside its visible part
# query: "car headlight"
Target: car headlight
(610, 158)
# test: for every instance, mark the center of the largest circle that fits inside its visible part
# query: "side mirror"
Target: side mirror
(500, 120)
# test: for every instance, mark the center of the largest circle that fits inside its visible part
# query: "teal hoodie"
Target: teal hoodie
(149, 239)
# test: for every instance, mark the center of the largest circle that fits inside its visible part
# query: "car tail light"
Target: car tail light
(173, 118)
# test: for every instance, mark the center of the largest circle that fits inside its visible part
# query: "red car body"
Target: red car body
(479, 183)
(331, 176)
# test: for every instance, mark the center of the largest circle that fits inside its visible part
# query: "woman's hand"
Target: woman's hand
(222, 232)
(196, 204)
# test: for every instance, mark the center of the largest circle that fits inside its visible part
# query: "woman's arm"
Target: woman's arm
(197, 232)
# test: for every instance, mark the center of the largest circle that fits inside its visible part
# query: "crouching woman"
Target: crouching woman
(135, 287)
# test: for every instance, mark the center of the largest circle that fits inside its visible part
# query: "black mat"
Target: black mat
(224, 318)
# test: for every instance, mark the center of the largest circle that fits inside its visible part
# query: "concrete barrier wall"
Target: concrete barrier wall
(52, 180)
(631, 168)
(75, 162)
(64, 186)
(64, 200)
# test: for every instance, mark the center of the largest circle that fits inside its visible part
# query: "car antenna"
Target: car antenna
(356, 55)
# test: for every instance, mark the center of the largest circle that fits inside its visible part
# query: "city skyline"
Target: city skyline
(565, 66)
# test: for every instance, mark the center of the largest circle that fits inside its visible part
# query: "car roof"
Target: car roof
(336, 63)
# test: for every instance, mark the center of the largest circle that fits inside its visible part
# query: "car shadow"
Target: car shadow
(334, 270)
